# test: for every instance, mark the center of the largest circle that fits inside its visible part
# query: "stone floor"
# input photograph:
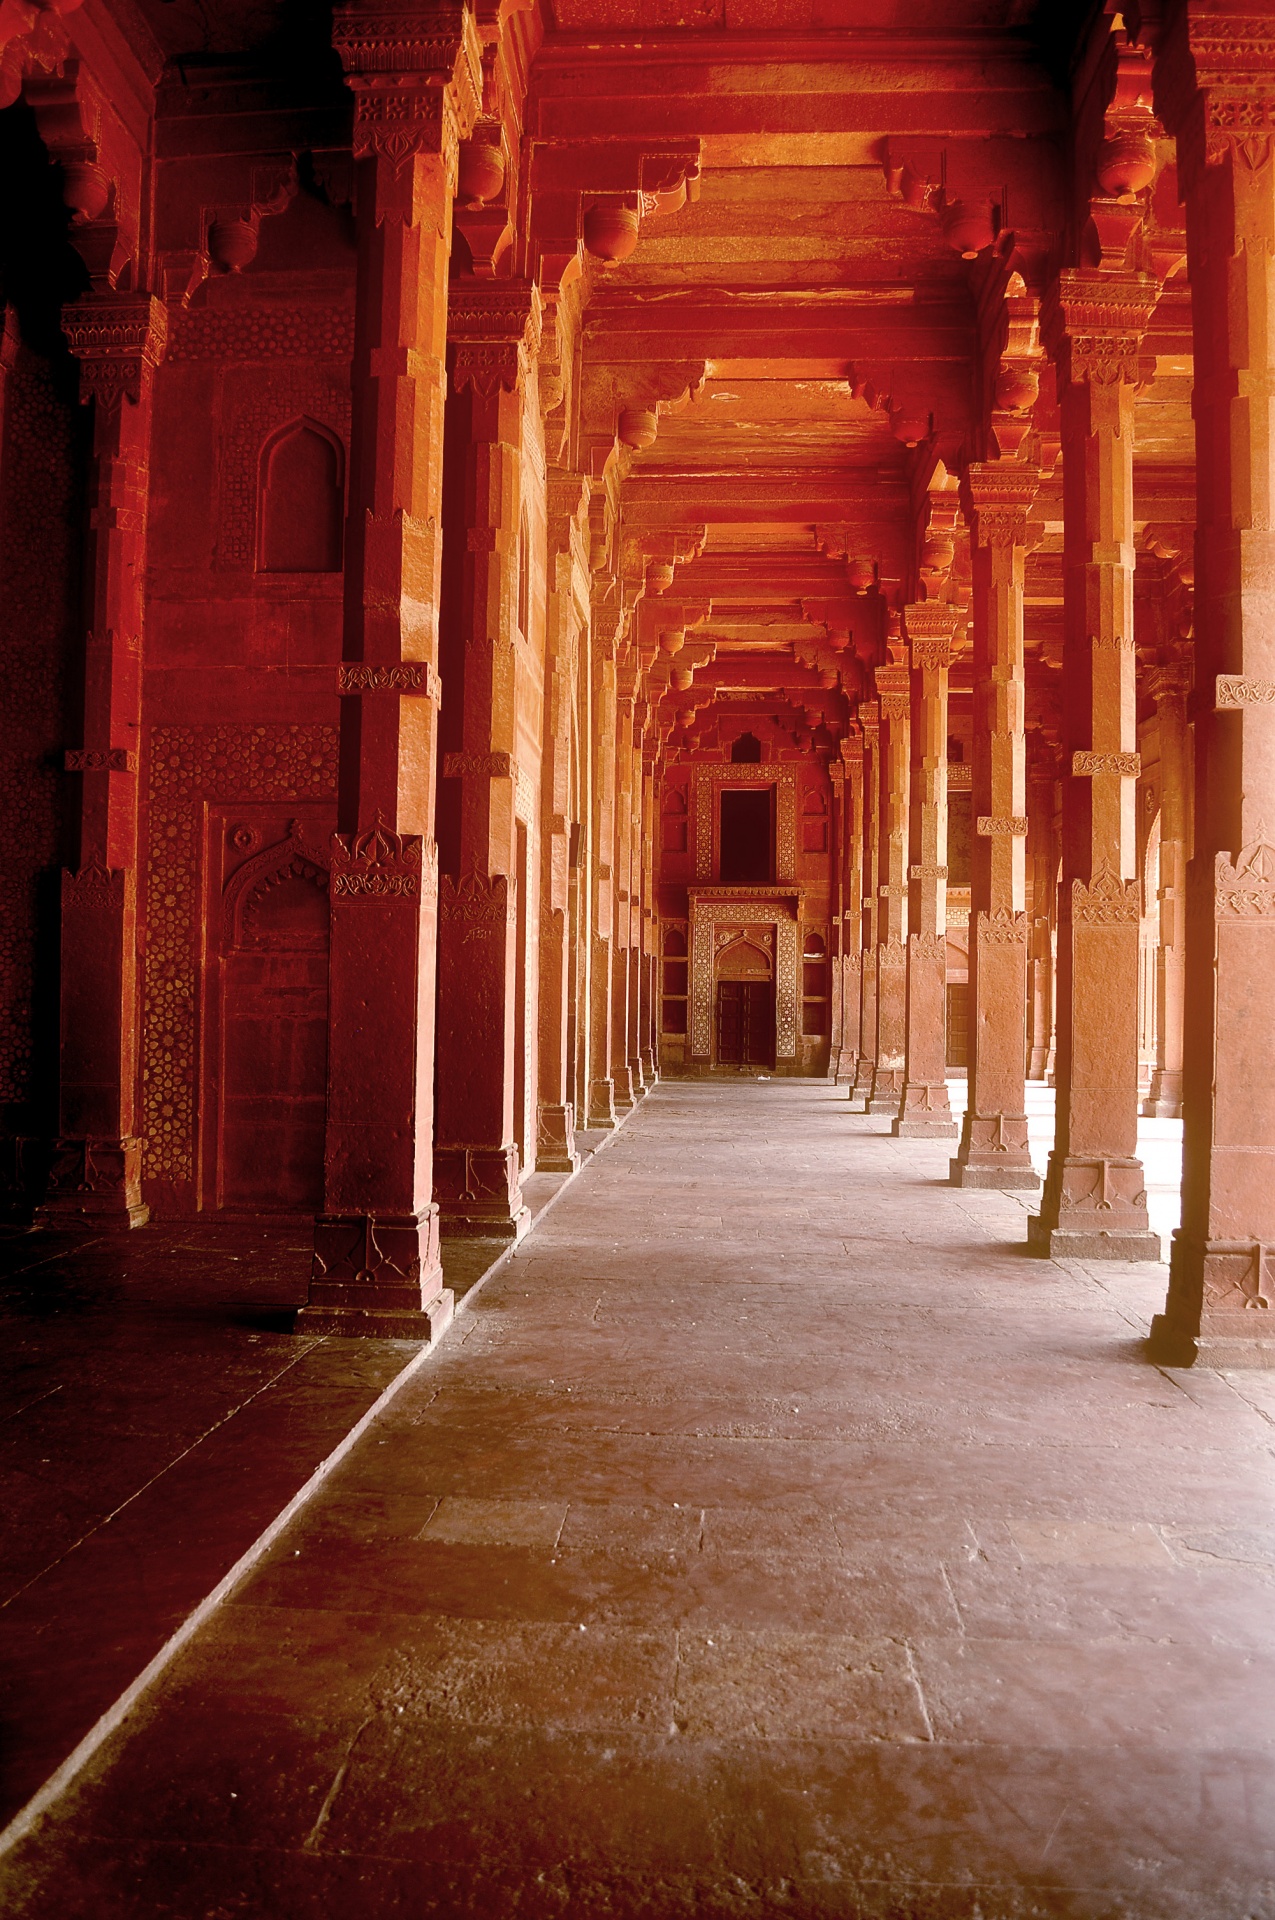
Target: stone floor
(771, 1537)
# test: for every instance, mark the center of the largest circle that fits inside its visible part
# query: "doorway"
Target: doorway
(745, 1006)
(745, 1023)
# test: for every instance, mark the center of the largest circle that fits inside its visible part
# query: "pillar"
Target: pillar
(602, 1102)
(565, 622)
(493, 328)
(1094, 1204)
(376, 1263)
(924, 1111)
(894, 791)
(865, 1067)
(1042, 859)
(94, 1177)
(993, 1150)
(1215, 88)
(1170, 684)
(847, 1065)
(627, 1090)
(650, 914)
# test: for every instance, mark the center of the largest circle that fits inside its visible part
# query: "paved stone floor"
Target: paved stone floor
(772, 1537)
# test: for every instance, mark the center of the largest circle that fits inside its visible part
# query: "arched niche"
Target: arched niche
(744, 960)
(271, 1019)
(300, 500)
(745, 750)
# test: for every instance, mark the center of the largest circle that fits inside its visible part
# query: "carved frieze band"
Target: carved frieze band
(99, 760)
(1235, 690)
(1245, 888)
(1085, 765)
(989, 825)
(404, 676)
(1003, 928)
(960, 778)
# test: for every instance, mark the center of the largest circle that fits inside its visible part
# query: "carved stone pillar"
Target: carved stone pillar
(837, 905)
(602, 1103)
(376, 1266)
(492, 330)
(650, 923)
(894, 788)
(993, 1150)
(565, 622)
(621, 854)
(1215, 88)
(1042, 857)
(847, 1062)
(94, 1178)
(924, 1111)
(865, 1067)
(1169, 686)
(1094, 1204)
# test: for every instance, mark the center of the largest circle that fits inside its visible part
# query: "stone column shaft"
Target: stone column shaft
(1094, 1204)
(376, 1265)
(493, 330)
(865, 1069)
(993, 1150)
(567, 583)
(894, 789)
(602, 1103)
(852, 918)
(1170, 685)
(924, 1111)
(94, 1174)
(1215, 88)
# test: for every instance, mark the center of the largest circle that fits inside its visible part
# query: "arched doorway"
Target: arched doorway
(271, 1069)
(745, 1003)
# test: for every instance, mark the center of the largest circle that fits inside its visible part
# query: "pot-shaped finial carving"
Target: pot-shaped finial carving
(480, 171)
(611, 231)
(1126, 162)
(233, 243)
(638, 427)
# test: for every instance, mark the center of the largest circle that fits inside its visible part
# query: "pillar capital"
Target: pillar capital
(1093, 324)
(930, 626)
(997, 496)
(493, 329)
(119, 340)
(1215, 86)
(416, 76)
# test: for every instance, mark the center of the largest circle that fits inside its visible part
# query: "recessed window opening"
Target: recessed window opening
(746, 750)
(747, 857)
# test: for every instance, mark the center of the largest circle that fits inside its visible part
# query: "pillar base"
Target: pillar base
(1220, 1311)
(602, 1104)
(990, 1179)
(918, 1127)
(94, 1186)
(1062, 1243)
(1171, 1345)
(427, 1326)
(556, 1140)
(1094, 1208)
(478, 1193)
(376, 1274)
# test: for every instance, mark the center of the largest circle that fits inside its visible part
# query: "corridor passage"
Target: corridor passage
(772, 1536)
